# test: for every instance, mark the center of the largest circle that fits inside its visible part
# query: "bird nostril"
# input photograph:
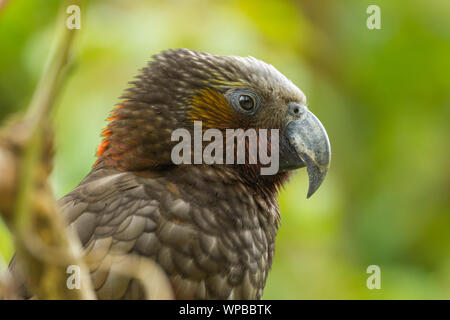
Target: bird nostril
(295, 109)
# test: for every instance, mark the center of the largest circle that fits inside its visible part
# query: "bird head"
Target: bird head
(180, 87)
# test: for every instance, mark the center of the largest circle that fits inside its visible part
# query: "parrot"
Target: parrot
(210, 228)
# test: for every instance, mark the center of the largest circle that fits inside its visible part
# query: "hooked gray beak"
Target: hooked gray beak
(309, 146)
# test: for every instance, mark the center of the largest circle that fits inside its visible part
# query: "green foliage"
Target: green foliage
(383, 96)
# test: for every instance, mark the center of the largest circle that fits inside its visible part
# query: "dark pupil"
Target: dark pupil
(246, 102)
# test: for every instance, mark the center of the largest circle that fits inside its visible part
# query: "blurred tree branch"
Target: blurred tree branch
(26, 201)
(3, 3)
(45, 246)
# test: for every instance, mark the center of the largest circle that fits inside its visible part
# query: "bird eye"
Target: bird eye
(246, 102)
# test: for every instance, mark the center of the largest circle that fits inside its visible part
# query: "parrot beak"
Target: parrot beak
(310, 147)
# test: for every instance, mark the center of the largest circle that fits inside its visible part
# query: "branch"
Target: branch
(45, 246)
(3, 4)
(27, 204)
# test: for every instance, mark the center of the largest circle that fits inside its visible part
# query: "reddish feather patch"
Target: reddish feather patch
(104, 145)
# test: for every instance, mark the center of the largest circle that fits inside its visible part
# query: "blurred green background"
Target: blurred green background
(383, 96)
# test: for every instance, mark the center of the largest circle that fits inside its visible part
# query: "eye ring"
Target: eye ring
(244, 101)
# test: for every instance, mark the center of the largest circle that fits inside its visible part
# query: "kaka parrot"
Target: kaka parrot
(210, 228)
